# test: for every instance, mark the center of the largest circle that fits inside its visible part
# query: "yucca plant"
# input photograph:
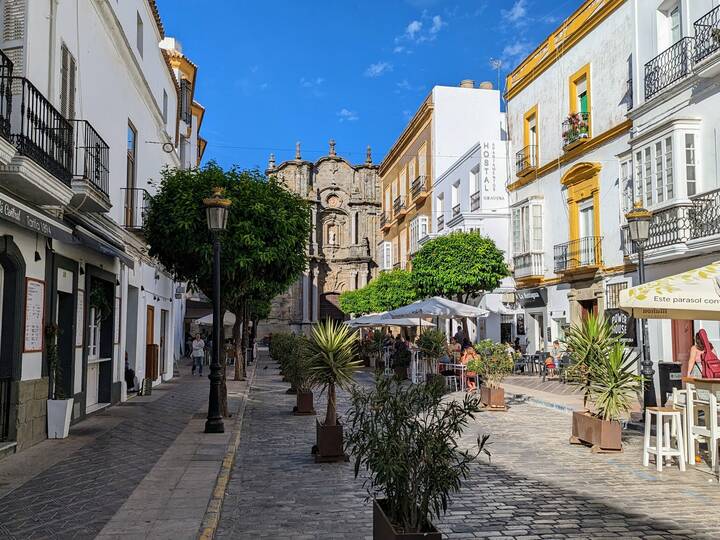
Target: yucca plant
(333, 360)
(614, 384)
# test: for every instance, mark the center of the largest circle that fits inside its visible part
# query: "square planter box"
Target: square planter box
(59, 412)
(383, 529)
(329, 445)
(602, 435)
(493, 398)
(304, 405)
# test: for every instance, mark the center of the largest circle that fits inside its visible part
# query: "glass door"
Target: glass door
(586, 233)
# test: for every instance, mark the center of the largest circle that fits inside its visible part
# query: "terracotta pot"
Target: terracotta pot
(401, 372)
(602, 435)
(384, 530)
(329, 445)
(304, 404)
(492, 397)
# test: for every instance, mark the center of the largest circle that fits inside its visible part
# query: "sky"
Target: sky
(273, 72)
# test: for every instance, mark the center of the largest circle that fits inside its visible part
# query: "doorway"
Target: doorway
(163, 341)
(683, 338)
(588, 307)
(65, 343)
(151, 353)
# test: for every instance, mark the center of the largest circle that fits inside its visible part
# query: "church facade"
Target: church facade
(345, 204)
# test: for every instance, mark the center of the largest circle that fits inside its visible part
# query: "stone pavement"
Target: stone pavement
(536, 485)
(142, 469)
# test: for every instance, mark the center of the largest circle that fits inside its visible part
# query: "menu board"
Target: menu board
(116, 322)
(79, 318)
(34, 314)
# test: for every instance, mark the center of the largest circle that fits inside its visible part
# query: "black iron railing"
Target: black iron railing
(418, 186)
(526, 159)
(92, 156)
(440, 222)
(5, 396)
(136, 201)
(668, 67)
(6, 69)
(576, 127)
(475, 201)
(578, 253)
(398, 204)
(456, 210)
(40, 132)
(705, 214)
(383, 219)
(707, 34)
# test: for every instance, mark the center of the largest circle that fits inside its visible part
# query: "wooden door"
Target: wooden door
(151, 368)
(150, 326)
(163, 340)
(682, 341)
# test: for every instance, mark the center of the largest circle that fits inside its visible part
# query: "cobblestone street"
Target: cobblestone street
(536, 486)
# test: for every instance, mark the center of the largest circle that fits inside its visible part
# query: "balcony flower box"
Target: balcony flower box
(576, 130)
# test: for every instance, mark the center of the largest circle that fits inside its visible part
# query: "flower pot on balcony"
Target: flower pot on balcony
(383, 529)
(493, 398)
(59, 412)
(601, 435)
(304, 404)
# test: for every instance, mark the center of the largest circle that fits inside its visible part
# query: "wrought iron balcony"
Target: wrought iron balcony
(456, 210)
(526, 160)
(383, 219)
(6, 69)
(475, 201)
(707, 35)
(576, 128)
(40, 132)
(92, 156)
(398, 205)
(668, 67)
(440, 222)
(136, 202)
(529, 264)
(584, 252)
(418, 186)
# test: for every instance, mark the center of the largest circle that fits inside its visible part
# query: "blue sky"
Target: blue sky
(275, 72)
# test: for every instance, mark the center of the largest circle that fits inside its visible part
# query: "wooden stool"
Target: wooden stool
(669, 421)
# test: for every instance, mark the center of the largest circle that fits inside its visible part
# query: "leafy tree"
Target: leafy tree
(357, 302)
(458, 265)
(263, 248)
(390, 290)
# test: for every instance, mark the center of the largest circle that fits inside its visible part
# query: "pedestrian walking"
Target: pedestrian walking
(198, 354)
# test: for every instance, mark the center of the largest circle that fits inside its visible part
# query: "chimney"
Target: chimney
(486, 85)
(467, 83)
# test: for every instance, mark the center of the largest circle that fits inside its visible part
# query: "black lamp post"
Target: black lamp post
(639, 220)
(216, 209)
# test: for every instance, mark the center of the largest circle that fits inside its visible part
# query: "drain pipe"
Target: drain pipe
(51, 50)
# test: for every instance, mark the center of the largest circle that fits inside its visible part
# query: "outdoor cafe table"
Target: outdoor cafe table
(708, 385)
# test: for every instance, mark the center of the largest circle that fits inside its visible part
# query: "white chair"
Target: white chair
(452, 381)
(708, 431)
(668, 421)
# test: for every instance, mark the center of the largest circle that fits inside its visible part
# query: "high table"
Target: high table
(711, 386)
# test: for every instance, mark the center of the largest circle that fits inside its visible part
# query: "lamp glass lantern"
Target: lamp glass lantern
(639, 220)
(216, 210)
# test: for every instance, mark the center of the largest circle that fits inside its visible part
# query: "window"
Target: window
(165, 107)
(580, 95)
(675, 24)
(403, 182)
(139, 34)
(647, 176)
(67, 84)
(403, 249)
(395, 251)
(411, 170)
(93, 335)
(455, 194)
(690, 170)
(530, 133)
(626, 186)
(183, 152)
(659, 172)
(418, 230)
(130, 175)
(654, 175)
(612, 294)
(527, 228)
(388, 201)
(586, 223)
(422, 161)
(475, 180)
(386, 255)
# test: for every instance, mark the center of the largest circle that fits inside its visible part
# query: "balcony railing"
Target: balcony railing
(475, 201)
(6, 69)
(398, 204)
(456, 210)
(707, 35)
(440, 222)
(383, 219)
(529, 264)
(576, 128)
(40, 132)
(668, 67)
(92, 156)
(580, 253)
(705, 215)
(136, 201)
(418, 186)
(526, 159)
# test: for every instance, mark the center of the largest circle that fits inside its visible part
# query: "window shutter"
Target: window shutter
(71, 88)
(64, 82)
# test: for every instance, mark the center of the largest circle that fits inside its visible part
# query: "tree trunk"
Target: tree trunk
(245, 337)
(239, 375)
(331, 415)
(253, 335)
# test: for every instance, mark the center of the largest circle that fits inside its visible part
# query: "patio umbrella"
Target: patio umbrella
(369, 322)
(207, 320)
(437, 306)
(693, 295)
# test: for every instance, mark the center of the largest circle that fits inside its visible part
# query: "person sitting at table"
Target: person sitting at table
(469, 354)
(550, 365)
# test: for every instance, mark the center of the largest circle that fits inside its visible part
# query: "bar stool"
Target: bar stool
(452, 381)
(668, 420)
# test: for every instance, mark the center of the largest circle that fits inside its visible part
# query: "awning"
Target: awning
(438, 307)
(493, 303)
(693, 295)
(228, 320)
(98, 244)
(383, 319)
(33, 219)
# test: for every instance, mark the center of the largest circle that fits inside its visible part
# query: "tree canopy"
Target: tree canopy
(390, 290)
(460, 265)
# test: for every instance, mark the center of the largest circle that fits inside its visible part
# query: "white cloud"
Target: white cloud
(413, 30)
(516, 13)
(418, 31)
(377, 69)
(515, 52)
(311, 83)
(346, 114)
(405, 86)
(437, 24)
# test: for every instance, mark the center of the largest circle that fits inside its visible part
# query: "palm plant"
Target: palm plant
(614, 383)
(333, 361)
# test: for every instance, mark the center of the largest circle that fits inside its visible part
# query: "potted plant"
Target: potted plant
(493, 364)
(577, 128)
(407, 438)
(333, 362)
(297, 371)
(606, 371)
(59, 407)
(401, 359)
(433, 345)
(281, 351)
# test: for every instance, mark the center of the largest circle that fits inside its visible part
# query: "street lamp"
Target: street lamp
(639, 220)
(216, 209)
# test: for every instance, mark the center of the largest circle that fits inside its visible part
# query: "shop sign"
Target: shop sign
(623, 325)
(532, 298)
(13, 213)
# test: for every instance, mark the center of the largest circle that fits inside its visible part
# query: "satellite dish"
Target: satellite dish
(168, 147)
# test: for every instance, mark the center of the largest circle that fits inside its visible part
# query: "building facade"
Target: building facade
(91, 111)
(567, 114)
(345, 205)
(450, 120)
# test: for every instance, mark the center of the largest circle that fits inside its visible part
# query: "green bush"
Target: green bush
(281, 345)
(493, 364)
(432, 344)
(297, 366)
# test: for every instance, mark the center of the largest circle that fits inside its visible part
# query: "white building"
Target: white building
(567, 114)
(672, 162)
(94, 110)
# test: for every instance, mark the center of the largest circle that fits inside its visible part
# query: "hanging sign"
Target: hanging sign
(532, 298)
(623, 325)
(34, 315)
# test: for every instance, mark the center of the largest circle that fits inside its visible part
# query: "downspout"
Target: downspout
(51, 50)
